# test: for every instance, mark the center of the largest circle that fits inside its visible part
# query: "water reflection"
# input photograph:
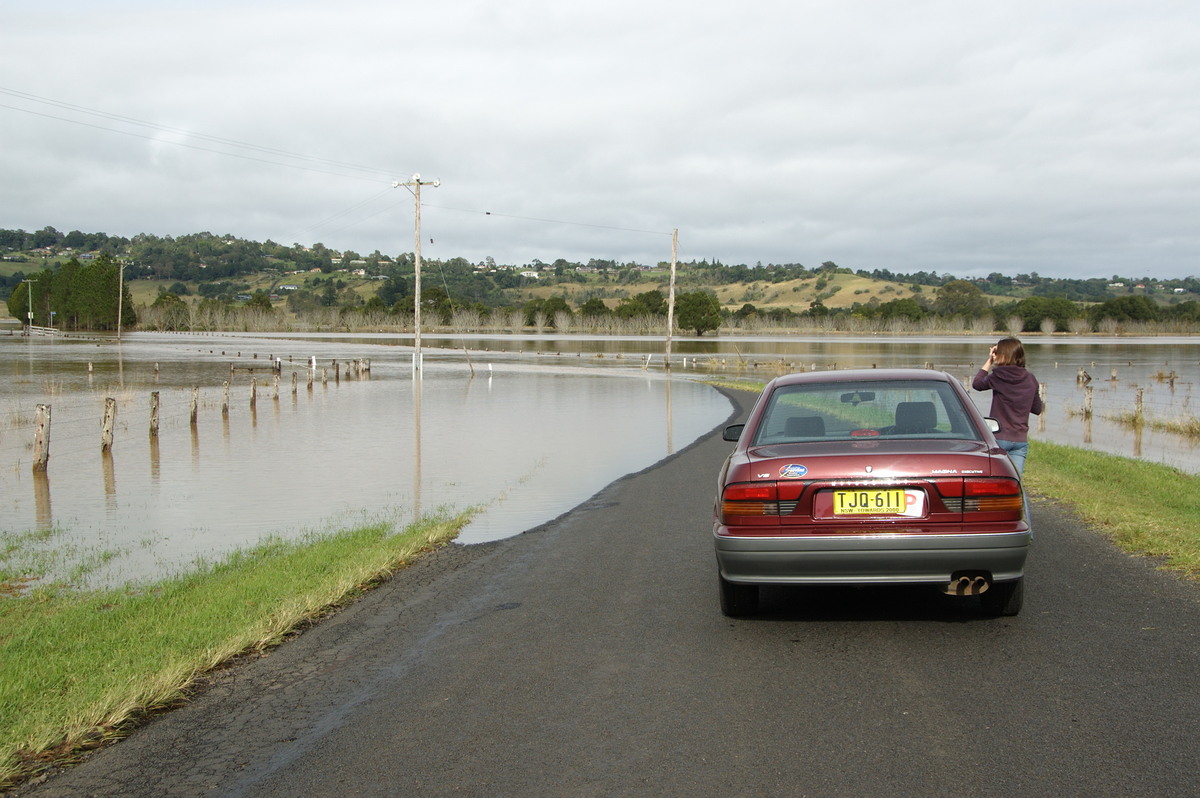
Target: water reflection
(527, 444)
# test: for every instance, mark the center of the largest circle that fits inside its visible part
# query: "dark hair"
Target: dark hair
(1010, 352)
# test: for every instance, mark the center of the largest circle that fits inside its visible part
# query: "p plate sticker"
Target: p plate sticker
(794, 471)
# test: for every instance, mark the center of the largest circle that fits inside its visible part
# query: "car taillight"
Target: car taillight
(992, 495)
(750, 499)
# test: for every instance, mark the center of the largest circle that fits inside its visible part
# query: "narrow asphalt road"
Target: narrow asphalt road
(590, 658)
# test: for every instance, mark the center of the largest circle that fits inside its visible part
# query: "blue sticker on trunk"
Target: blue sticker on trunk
(793, 471)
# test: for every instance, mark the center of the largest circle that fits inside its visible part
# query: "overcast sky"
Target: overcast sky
(1054, 137)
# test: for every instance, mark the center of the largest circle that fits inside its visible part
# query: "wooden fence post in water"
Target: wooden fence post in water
(1087, 402)
(253, 392)
(294, 381)
(41, 438)
(106, 429)
(225, 399)
(195, 403)
(275, 393)
(154, 414)
(1138, 405)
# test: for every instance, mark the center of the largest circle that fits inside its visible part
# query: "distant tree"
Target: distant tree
(374, 305)
(329, 297)
(260, 300)
(699, 311)
(905, 308)
(80, 296)
(1184, 311)
(653, 301)
(47, 237)
(816, 310)
(173, 312)
(961, 298)
(555, 305)
(647, 303)
(1126, 308)
(1034, 310)
(594, 307)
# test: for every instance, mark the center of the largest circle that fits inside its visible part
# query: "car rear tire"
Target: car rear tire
(738, 600)
(1003, 598)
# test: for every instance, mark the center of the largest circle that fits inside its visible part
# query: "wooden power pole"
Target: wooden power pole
(415, 183)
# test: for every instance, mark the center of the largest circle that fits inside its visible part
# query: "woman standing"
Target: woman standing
(1014, 396)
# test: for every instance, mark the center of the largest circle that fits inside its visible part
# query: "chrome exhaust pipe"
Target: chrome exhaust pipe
(959, 587)
(968, 586)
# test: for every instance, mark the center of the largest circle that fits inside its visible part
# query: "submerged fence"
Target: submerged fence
(42, 426)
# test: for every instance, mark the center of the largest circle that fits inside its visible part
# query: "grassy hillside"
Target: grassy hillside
(838, 291)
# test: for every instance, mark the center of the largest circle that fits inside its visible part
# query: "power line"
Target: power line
(350, 170)
(374, 172)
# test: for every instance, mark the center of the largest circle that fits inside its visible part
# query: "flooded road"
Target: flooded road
(523, 427)
(522, 443)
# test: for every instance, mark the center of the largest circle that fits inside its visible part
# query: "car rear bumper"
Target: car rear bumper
(870, 559)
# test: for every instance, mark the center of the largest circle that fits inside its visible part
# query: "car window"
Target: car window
(853, 410)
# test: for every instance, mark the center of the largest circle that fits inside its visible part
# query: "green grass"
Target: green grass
(1146, 508)
(77, 668)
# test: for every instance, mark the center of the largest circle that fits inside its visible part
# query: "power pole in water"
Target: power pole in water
(671, 295)
(120, 295)
(29, 291)
(415, 183)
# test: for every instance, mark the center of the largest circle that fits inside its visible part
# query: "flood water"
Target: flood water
(523, 426)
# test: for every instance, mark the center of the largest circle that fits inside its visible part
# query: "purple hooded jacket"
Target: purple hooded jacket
(1014, 396)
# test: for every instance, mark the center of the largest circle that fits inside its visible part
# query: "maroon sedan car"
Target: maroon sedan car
(869, 477)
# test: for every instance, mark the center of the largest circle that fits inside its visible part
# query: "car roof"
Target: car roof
(862, 375)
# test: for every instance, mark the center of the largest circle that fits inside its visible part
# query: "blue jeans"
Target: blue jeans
(1017, 452)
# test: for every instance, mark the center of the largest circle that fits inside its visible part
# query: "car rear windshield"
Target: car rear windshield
(855, 410)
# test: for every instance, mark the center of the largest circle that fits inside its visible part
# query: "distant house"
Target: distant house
(289, 287)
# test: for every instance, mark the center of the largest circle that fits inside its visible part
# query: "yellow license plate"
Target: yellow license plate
(868, 502)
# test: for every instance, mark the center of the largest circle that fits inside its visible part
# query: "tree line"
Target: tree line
(218, 266)
(965, 301)
(76, 296)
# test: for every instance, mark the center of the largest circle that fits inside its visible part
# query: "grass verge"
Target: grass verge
(78, 668)
(1145, 508)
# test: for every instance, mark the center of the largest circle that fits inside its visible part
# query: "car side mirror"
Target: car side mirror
(733, 432)
(993, 425)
